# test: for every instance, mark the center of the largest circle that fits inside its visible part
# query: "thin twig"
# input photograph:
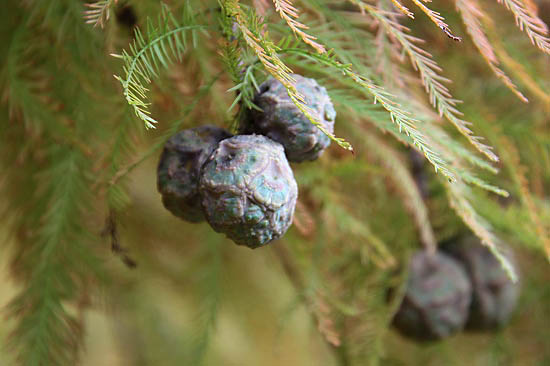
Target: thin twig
(111, 230)
(294, 275)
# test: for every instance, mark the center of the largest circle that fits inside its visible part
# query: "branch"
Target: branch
(162, 45)
(403, 9)
(439, 94)
(266, 52)
(527, 21)
(471, 15)
(399, 116)
(407, 189)
(317, 310)
(437, 19)
(457, 194)
(98, 13)
(290, 15)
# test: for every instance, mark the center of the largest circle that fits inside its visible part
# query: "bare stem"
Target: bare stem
(297, 281)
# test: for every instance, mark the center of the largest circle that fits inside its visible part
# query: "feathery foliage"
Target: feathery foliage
(437, 19)
(458, 198)
(45, 329)
(528, 22)
(98, 13)
(422, 61)
(519, 176)
(471, 14)
(402, 118)
(78, 179)
(290, 15)
(266, 50)
(403, 9)
(245, 82)
(161, 45)
(407, 187)
(52, 196)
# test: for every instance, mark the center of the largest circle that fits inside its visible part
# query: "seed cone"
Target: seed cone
(282, 121)
(495, 296)
(248, 190)
(436, 300)
(179, 167)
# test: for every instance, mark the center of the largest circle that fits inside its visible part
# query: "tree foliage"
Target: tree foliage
(72, 138)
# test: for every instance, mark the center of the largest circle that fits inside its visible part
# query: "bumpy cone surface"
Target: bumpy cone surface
(495, 296)
(179, 167)
(282, 121)
(436, 300)
(248, 190)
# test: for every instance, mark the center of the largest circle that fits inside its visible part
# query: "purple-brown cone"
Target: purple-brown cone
(495, 296)
(436, 300)
(282, 121)
(248, 190)
(179, 167)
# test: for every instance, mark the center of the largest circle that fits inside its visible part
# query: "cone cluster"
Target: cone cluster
(243, 185)
(463, 286)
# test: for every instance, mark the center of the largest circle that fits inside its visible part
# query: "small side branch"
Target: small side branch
(111, 230)
(317, 310)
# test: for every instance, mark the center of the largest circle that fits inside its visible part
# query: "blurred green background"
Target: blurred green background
(319, 295)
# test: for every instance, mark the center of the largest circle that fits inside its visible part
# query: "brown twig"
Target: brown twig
(111, 230)
(318, 310)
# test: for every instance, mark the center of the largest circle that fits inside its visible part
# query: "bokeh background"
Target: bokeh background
(319, 296)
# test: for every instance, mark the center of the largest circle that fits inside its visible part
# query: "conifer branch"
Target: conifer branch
(399, 116)
(347, 223)
(290, 15)
(245, 83)
(438, 139)
(528, 21)
(450, 149)
(122, 148)
(437, 19)
(459, 155)
(518, 172)
(458, 194)
(266, 51)
(161, 46)
(99, 12)
(457, 149)
(241, 68)
(407, 188)
(210, 282)
(521, 73)
(174, 127)
(471, 14)
(472, 179)
(51, 206)
(440, 97)
(58, 261)
(403, 9)
(316, 306)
